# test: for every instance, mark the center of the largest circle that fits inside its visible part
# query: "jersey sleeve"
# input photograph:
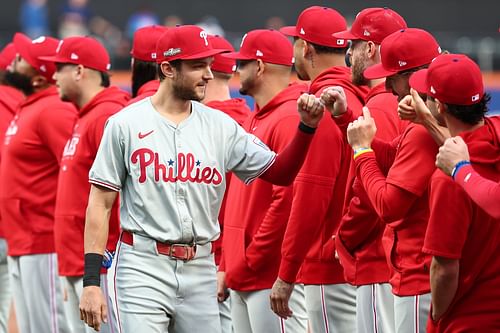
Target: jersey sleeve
(109, 169)
(247, 156)
(449, 220)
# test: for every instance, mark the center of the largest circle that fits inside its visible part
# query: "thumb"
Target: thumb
(366, 113)
(416, 97)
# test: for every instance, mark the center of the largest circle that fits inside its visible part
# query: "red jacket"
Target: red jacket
(401, 201)
(460, 229)
(146, 90)
(73, 187)
(319, 192)
(257, 214)
(237, 109)
(10, 98)
(359, 237)
(32, 151)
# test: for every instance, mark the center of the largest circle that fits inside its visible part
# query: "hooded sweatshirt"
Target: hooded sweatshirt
(31, 155)
(459, 229)
(237, 109)
(484, 192)
(147, 89)
(10, 98)
(257, 214)
(319, 191)
(73, 187)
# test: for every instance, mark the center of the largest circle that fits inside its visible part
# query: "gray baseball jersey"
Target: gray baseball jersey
(172, 177)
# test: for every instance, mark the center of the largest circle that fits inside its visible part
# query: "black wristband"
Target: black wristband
(306, 129)
(92, 270)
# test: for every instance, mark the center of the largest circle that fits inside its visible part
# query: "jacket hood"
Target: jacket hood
(236, 108)
(107, 95)
(290, 93)
(338, 76)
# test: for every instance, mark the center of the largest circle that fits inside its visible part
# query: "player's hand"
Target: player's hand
(222, 291)
(450, 153)
(93, 308)
(334, 100)
(310, 110)
(280, 296)
(360, 133)
(413, 108)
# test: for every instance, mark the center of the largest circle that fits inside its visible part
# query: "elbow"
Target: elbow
(444, 269)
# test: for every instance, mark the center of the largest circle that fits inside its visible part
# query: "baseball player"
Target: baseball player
(462, 238)
(319, 189)
(400, 198)
(484, 192)
(10, 98)
(32, 151)
(168, 154)
(358, 241)
(82, 78)
(144, 73)
(256, 215)
(217, 96)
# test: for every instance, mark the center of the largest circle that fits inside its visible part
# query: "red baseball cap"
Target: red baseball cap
(452, 79)
(85, 51)
(402, 50)
(7, 55)
(373, 24)
(317, 25)
(184, 42)
(32, 50)
(145, 39)
(268, 45)
(222, 64)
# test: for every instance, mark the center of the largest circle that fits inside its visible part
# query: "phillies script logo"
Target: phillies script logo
(188, 169)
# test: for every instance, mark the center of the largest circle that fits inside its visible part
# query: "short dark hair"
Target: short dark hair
(142, 72)
(105, 81)
(176, 64)
(321, 49)
(470, 114)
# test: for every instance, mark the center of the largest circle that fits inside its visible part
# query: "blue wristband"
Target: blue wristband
(457, 167)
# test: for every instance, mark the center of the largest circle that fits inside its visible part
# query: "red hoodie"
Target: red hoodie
(319, 191)
(146, 90)
(237, 109)
(256, 215)
(73, 187)
(359, 237)
(460, 229)
(484, 192)
(31, 154)
(10, 98)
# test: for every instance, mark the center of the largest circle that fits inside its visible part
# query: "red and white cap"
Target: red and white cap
(144, 44)
(373, 24)
(186, 42)
(7, 55)
(317, 25)
(85, 51)
(268, 45)
(403, 50)
(222, 64)
(452, 79)
(33, 50)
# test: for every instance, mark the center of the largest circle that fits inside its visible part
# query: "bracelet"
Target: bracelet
(306, 129)
(457, 167)
(360, 151)
(92, 270)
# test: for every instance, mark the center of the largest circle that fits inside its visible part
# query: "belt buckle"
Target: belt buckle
(188, 251)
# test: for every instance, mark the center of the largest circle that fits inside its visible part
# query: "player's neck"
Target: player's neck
(269, 89)
(321, 62)
(169, 106)
(217, 90)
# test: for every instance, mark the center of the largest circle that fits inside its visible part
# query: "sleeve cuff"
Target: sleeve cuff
(289, 270)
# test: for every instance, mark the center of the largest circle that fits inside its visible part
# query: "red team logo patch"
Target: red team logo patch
(188, 168)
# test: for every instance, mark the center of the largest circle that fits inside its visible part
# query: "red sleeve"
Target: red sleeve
(288, 163)
(449, 220)
(275, 220)
(484, 192)
(390, 202)
(57, 127)
(313, 190)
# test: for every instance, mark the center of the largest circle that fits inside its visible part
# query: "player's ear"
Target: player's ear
(167, 69)
(261, 66)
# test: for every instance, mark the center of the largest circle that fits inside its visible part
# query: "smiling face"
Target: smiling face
(190, 79)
